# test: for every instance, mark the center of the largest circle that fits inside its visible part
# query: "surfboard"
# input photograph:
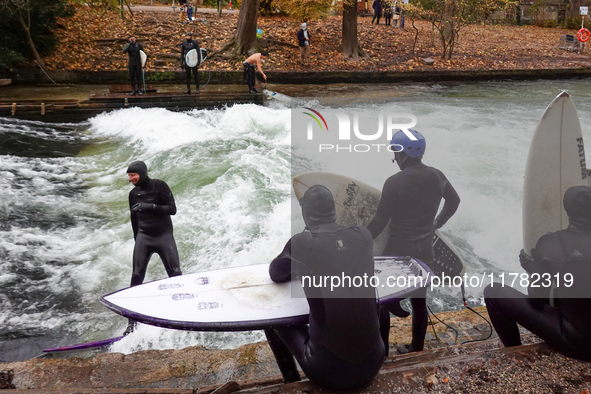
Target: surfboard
(143, 58)
(245, 298)
(87, 345)
(357, 202)
(192, 58)
(287, 100)
(555, 162)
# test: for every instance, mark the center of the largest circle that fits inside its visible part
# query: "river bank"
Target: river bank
(445, 366)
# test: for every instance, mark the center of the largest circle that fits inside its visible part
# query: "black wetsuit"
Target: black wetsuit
(249, 75)
(342, 348)
(410, 199)
(186, 46)
(135, 63)
(567, 325)
(151, 203)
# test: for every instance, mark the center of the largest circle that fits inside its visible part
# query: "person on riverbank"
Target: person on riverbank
(410, 199)
(388, 12)
(254, 60)
(133, 48)
(377, 11)
(562, 263)
(151, 204)
(304, 44)
(342, 348)
(187, 45)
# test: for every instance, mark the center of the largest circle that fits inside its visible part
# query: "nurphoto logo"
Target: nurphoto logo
(355, 132)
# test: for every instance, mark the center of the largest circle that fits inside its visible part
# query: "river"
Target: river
(66, 238)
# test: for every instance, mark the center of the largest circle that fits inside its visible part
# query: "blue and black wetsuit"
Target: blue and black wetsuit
(151, 203)
(557, 258)
(410, 201)
(341, 349)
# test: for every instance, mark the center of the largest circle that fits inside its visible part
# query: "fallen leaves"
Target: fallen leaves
(93, 40)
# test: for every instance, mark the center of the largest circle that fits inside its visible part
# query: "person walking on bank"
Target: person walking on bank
(304, 44)
(377, 11)
(388, 13)
(187, 45)
(133, 48)
(410, 200)
(249, 69)
(151, 204)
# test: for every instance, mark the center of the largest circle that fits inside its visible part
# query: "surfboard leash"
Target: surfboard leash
(442, 322)
(487, 322)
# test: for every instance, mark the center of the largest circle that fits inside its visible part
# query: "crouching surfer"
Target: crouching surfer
(562, 263)
(341, 348)
(151, 204)
(249, 64)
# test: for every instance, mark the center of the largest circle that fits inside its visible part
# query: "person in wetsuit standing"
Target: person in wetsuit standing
(133, 48)
(562, 265)
(151, 204)
(187, 45)
(341, 349)
(410, 199)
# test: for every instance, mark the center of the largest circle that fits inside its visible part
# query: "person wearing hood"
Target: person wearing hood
(562, 262)
(410, 201)
(304, 44)
(341, 348)
(187, 45)
(151, 204)
(133, 48)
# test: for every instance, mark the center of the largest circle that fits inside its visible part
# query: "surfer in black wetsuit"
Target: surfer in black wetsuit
(133, 48)
(151, 203)
(186, 46)
(410, 199)
(341, 349)
(557, 258)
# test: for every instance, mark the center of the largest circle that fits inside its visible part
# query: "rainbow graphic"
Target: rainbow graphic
(316, 119)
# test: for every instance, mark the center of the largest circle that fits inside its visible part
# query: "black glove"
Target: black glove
(142, 206)
(527, 262)
(437, 225)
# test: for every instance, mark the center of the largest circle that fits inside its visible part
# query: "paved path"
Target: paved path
(167, 8)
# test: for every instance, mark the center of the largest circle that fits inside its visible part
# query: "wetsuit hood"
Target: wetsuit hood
(403, 160)
(140, 168)
(577, 204)
(318, 207)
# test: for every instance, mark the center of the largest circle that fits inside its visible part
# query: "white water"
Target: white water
(66, 240)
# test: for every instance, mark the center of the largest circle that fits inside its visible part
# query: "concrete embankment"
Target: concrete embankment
(32, 76)
(446, 366)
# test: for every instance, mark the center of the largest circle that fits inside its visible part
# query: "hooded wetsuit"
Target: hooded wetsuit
(151, 204)
(186, 46)
(342, 348)
(410, 200)
(567, 325)
(135, 63)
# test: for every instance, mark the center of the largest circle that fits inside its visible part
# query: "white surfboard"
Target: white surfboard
(556, 161)
(285, 99)
(357, 203)
(192, 58)
(243, 298)
(143, 58)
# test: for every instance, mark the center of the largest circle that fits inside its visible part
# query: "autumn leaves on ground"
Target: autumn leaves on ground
(93, 40)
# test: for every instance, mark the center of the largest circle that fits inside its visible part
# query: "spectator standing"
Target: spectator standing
(304, 44)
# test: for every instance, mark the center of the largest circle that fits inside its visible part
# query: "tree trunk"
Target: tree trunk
(30, 40)
(245, 38)
(246, 32)
(350, 45)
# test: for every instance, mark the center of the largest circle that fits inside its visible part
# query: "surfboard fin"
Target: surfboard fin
(397, 310)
